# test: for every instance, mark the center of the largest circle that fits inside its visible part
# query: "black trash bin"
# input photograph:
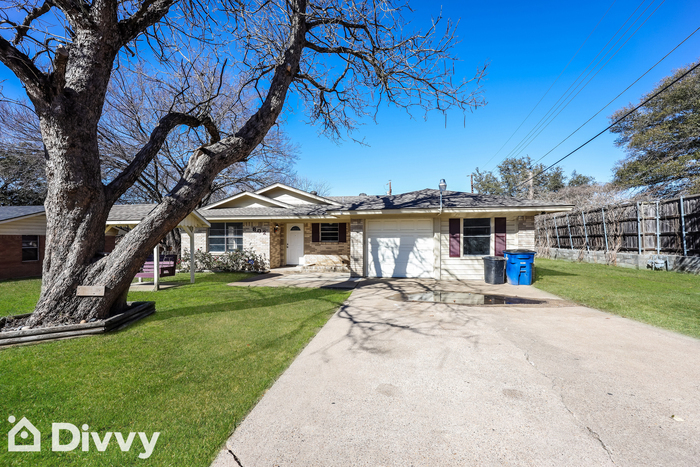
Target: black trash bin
(494, 267)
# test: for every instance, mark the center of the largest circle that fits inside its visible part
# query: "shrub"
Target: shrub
(232, 261)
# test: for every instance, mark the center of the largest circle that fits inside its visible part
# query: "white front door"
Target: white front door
(295, 244)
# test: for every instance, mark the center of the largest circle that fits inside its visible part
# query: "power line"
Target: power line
(616, 97)
(555, 82)
(548, 117)
(614, 123)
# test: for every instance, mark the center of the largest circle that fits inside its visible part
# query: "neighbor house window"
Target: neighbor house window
(225, 236)
(30, 248)
(329, 232)
(476, 237)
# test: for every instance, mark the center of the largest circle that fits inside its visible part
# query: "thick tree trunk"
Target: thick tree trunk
(78, 203)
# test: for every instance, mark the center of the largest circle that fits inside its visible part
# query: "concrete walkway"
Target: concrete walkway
(388, 383)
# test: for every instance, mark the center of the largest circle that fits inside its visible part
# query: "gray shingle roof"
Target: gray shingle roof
(301, 211)
(430, 199)
(13, 212)
(129, 212)
(422, 199)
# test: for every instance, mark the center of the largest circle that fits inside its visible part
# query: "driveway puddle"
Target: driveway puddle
(464, 298)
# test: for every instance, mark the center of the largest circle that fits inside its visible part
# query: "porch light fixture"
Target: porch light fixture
(443, 187)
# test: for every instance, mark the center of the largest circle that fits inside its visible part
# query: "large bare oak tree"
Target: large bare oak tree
(341, 58)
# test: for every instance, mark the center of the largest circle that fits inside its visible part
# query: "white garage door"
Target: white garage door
(400, 248)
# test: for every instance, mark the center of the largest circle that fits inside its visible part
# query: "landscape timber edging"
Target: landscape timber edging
(138, 310)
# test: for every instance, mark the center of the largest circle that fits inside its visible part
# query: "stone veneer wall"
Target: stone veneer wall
(357, 247)
(277, 251)
(326, 256)
(678, 263)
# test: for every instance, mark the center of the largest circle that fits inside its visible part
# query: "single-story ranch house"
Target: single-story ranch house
(414, 234)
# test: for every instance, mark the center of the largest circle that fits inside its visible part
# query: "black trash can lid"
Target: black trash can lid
(520, 252)
(493, 258)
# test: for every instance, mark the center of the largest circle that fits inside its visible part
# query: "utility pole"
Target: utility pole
(471, 178)
(531, 187)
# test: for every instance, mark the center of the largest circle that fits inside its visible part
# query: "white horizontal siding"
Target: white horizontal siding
(472, 267)
(31, 226)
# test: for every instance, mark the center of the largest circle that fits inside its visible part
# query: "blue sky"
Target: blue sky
(527, 45)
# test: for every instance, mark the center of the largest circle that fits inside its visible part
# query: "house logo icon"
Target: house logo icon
(24, 428)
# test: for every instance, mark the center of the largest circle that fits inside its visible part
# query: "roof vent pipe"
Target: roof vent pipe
(314, 193)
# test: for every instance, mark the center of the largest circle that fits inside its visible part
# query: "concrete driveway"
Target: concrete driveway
(388, 383)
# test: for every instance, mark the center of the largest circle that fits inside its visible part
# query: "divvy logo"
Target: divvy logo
(18, 438)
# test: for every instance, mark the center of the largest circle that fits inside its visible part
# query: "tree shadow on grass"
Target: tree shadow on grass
(247, 299)
(542, 272)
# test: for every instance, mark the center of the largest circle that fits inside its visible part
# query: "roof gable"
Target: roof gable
(293, 196)
(247, 199)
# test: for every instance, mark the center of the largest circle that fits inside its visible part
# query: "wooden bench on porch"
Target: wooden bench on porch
(166, 267)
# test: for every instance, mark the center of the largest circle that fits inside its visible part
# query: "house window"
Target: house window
(476, 237)
(225, 236)
(329, 233)
(30, 248)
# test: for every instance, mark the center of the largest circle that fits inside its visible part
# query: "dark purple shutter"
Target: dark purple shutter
(316, 232)
(342, 232)
(454, 238)
(499, 224)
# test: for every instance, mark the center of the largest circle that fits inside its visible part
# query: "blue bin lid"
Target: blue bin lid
(520, 252)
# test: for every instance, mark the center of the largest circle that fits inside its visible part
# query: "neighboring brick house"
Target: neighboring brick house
(405, 235)
(23, 239)
(23, 235)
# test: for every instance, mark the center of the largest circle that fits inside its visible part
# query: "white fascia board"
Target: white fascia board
(296, 191)
(250, 194)
(200, 221)
(266, 218)
(26, 216)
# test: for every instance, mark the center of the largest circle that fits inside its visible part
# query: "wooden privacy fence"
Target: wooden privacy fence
(651, 227)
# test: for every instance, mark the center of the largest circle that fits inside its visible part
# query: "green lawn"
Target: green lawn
(669, 300)
(191, 371)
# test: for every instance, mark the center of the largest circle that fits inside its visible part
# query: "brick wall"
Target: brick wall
(256, 237)
(200, 241)
(11, 265)
(357, 247)
(333, 256)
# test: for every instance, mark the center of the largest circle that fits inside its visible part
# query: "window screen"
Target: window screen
(329, 232)
(225, 236)
(30, 248)
(476, 237)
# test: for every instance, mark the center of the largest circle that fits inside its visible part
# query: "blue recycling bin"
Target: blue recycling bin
(520, 266)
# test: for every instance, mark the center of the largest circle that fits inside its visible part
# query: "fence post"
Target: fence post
(639, 231)
(556, 231)
(685, 250)
(605, 230)
(568, 228)
(585, 229)
(658, 231)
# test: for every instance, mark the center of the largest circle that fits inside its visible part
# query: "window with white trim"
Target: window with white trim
(476, 236)
(225, 236)
(30, 248)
